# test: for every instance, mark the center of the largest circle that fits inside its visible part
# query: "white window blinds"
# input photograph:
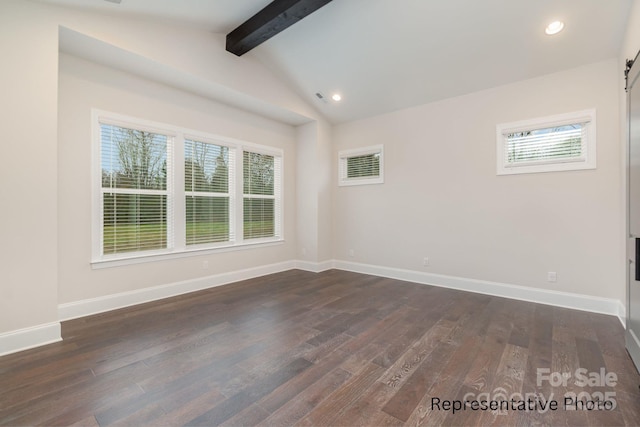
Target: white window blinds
(361, 166)
(135, 207)
(209, 169)
(261, 194)
(364, 166)
(548, 144)
(563, 143)
(161, 191)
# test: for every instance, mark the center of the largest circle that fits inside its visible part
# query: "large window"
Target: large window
(161, 191)
(556, 143)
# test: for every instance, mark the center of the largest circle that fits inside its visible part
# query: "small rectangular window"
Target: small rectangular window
(361, 166)
(556, 143)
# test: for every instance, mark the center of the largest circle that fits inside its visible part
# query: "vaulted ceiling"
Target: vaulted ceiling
(385, 55)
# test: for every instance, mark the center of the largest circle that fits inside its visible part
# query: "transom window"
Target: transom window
(162, 191)
(361, 166)
(555, 143)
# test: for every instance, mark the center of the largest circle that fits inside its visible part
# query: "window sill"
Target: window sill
(145, 258)
(363, 181)
(550, 167)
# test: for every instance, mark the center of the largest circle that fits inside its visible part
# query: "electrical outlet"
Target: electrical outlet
(352, 253)
(425, 262)
(304, 251)
(205, 265)
(552, 276)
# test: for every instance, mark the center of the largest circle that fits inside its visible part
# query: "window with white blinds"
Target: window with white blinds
(207, 171)
(159, 190)
(261, 194)
(557, 143)
(136, 212)
(361, 166)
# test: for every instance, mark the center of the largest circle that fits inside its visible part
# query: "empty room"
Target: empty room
(320, 212)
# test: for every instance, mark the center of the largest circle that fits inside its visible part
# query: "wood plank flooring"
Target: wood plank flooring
(335, 348)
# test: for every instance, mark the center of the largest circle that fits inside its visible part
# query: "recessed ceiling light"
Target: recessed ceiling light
(336, 97)
(554, 28)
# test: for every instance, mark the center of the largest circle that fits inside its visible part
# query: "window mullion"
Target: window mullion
(179, 220)
(277, 192)
(233, 197)
(239, 196)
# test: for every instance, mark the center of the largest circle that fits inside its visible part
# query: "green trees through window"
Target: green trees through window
(206, 180)
(363, 166)
(564, 142)
(134, 189)
(259, 195)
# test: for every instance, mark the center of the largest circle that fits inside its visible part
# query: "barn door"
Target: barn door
(632, 337)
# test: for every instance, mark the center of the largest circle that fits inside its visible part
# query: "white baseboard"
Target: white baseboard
(542, 296)
(622, 314)
(560, 299)
(314, 267)
(91, 306)
(24, 339)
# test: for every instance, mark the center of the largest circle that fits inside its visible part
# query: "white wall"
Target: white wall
(28, 190)
(314, 194)
(442, 198)
(307, 214)
(325, 189)
(631, 42)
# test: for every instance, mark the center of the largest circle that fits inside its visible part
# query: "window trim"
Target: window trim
(586, 117)
(176, 244)
(344, 155)
(276, 197)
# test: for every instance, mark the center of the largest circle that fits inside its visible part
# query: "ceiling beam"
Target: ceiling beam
(275, 17)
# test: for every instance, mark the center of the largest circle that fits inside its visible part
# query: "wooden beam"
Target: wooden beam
(275, 17)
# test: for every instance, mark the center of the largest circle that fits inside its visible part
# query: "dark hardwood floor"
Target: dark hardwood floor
(327, 349)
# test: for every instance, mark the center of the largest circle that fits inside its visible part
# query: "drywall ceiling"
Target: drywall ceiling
(218, 16)
(385, 55)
